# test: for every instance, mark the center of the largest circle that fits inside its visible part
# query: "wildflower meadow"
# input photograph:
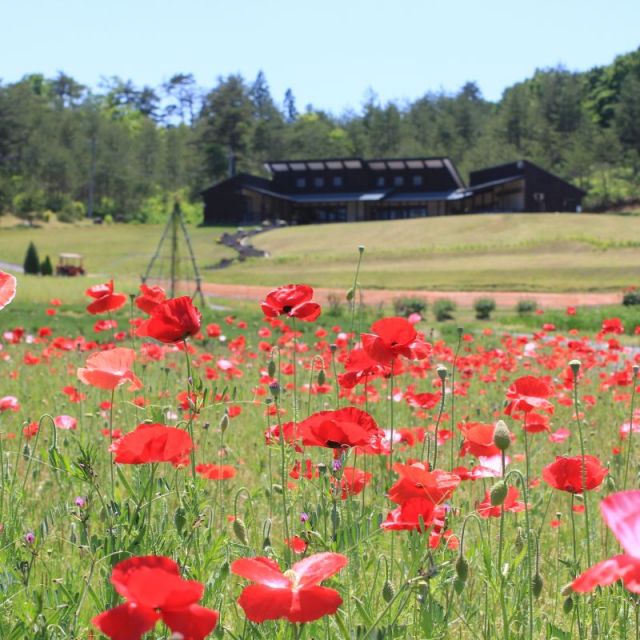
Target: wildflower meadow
(174, 472)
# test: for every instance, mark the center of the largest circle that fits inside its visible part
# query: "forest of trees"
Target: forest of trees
(125, 151)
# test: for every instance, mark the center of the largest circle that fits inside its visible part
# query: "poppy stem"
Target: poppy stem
(113, 484)
(190, 422)
(630, 447)
(391, 382)
(283, 480)
(587, 520)
(435, 439)
(576, 566)
(453, 396)
(503, 603)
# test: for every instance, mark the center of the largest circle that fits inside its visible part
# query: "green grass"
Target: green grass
(527, 252)
(518, 252)
(110, 250)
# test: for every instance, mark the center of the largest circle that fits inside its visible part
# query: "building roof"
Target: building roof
(361, 196)
(281, 166)
(427, 196)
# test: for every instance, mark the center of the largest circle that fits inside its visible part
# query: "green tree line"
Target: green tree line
(126, 151)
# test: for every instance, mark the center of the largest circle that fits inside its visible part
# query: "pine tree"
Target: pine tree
(31, 260)
(46, 268)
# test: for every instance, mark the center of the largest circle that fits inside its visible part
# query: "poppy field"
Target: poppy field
(178, 473)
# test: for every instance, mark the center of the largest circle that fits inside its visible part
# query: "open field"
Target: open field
(70, 510)
(532, 252)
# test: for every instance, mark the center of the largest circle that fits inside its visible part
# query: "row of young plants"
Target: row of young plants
(440, 489)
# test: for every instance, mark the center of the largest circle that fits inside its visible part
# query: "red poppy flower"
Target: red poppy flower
(511, 503)
(105, 299)
(416, 481)
(154, 590)
(621, 512)
(343, 428)
(295, 595)
(360, 368)
(528, 393)
(290, 433)
(110, 369)
(478, 439)
(68, 423)
(417, 514)
(171, 321)
(8, 286)
(566, 473)
(149, 298)
(216, 471)
(9, 403)
(353, 481)
(392, 338)
(152, 443)
(293, 300)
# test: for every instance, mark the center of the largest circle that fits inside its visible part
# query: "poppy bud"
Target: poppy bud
(224, 569)
(567, 605)
(611, 483)
(498, 493)
(519, 543)
(458, 585)
(26, 452)
(442, 371)
(277, 488)
(635, 369)
(575, 367)
(350, 294)
(536, 585)
(462, 568)
(271, 368)
(322, 378)
(274, 388)
(224, 422)
(179, 519)
(240, 530)
(333, 347)
(567, 590)
(361, 248)
(501, 436)
(388, 591)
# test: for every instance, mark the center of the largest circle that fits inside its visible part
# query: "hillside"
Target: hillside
(529, 252)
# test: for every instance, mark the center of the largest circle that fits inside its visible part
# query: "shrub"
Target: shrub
(525, 307)
(31, 260)
(443, 309)
(631, 298)
(406, 306)
(72, 212)
(46, 268)
(484, 307)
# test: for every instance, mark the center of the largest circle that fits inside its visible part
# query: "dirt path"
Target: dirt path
(462, 298)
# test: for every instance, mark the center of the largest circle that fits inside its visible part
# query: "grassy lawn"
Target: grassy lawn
(532, 252)
(114, 250)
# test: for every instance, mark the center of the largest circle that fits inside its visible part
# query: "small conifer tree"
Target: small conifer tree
(46, 268)
(31, 260)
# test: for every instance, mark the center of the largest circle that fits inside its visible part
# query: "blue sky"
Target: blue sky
(331, 53)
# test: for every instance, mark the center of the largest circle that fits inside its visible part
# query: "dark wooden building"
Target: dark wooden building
(521, 186)
(353, 189)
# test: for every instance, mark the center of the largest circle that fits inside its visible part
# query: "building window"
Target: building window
(318, 182)
(301, 183)
(380, 181)
(417, 181)
(336, 181)
(398, 181)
